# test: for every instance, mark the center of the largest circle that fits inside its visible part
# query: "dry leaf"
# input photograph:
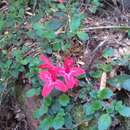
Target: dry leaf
(103, 80)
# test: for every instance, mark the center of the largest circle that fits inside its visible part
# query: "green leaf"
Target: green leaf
(68, 121)
(43, 109)
(126, 84)
(1, 88)
(31, 92)
(57, 46)
(46, 123)
(37, 26)
(110, 108)
(54, 24)
(125, 111)
(55, 108)
(24, 61)
(92, 107)
(75, 23)
(47, 102)
(105, 67)
(49, 50)
(64, 100)
(118, 106)
(118, 80)
(104, 122)
(96, 105)
(49, 35)
(58, 121)
(66, 46)
(39, 29)
(105, 93)
(96, 74)
(82, 76)
(95, 4)
(93, 9)
(88, 109)
(2, 23)
(129, 33)
(108, 52)
(83, 36)
(122, 109)
(42, 32)
(40, 111)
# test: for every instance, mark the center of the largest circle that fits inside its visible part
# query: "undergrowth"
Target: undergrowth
(34, 27)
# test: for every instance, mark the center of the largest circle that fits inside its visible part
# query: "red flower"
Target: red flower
(47, 63)
(69, 72)
(51, 82)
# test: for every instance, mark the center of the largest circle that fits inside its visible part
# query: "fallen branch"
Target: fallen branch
(106, 27)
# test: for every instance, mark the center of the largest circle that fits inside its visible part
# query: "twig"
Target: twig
(76, 125)
(106, 27)
(100, 45)
(95, 50)
(34, 5)
(103, 27)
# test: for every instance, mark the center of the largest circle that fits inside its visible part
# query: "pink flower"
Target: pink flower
(50, 76)
(69, 72)
(47, 62)
(50, 79)
(61, 1)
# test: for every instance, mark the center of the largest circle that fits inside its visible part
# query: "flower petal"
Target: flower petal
(61, 1)
(76, 71)
(60, 86)
(44, 59)
(47, 63)
(47, 89)
(45, 76)
(43, 66)
(71, 82)
(68, 62)
(61, 71)
(70, 79)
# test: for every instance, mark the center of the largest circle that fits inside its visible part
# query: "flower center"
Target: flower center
(53, 74)
(67, 69)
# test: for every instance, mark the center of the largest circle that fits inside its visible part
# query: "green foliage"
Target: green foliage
(129, 33)
(40, 111)
(122, 109)
(46, 123)
(108, 52)
(30, 92)
(82, 36)
(105, 67)
(95, 4)
(64, 100)
(75, 22)
(120, 81)
(126, 84)
(96, 74)
(2, 24)
(58, 121)
(43, 108)
(52, 122)
(104, 122)
(105, 93)
(93, 107)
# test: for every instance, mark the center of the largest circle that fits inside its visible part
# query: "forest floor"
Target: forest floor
(107, 29)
